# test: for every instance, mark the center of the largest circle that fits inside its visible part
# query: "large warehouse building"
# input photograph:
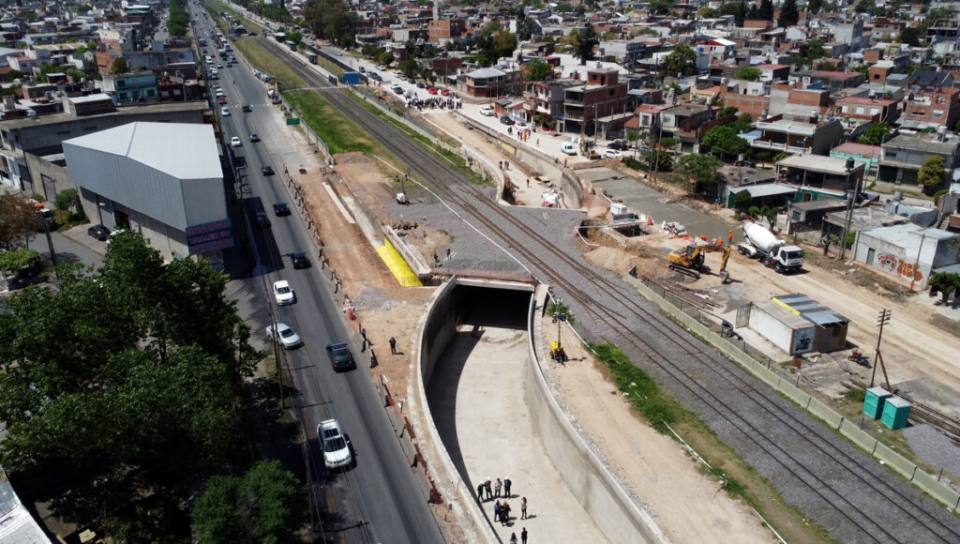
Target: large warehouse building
(161, 179)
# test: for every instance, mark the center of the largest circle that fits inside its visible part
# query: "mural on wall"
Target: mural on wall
(895, 265)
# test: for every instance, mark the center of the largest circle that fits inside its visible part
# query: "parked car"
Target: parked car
(432, 90)
(445, 92)
(336, 448)
(506, 120)
(287, 337)
(254, 138)
(340, 357)
(246, 108)
(486, 111)
(421, 85)
(569, 148)
(619, 145)
(99, 232)
(611, 154)
(267, 170)
(280, 209)
(300, 260)
(235, 141)
(397, 89)
(283, 293)
(225, 111)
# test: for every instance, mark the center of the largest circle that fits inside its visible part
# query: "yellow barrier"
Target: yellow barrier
(398, 267)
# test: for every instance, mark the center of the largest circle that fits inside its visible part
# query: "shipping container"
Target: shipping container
(873, 401)
(896, 412)
(791, 333)
(351, 78)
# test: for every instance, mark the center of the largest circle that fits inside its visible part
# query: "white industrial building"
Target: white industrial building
(161, 179)
(909, 253)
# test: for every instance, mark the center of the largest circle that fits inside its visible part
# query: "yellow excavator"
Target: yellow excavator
(689, 260)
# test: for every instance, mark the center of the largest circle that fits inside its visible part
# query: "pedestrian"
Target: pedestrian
(513, 538)
(505, 513)
(497, 512)
(523, 536)
(523, 508)
(497, 487)
(506, 487)
(393, 345)
(480, 492)
(486, 485)
(528, 182)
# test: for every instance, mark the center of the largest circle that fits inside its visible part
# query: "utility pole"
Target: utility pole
(850, 199)
(53, 252)
(882, 320)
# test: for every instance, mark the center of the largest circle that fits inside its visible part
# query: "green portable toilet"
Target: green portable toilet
(873, 402)
(895, 413)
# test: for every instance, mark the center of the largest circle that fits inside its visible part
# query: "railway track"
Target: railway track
(871, 503)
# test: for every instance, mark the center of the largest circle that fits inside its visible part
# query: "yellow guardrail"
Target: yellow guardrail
(398, 267)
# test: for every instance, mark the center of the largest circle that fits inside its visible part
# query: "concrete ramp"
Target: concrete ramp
(398, 267)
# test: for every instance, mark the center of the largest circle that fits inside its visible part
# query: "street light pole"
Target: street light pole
(851, 197)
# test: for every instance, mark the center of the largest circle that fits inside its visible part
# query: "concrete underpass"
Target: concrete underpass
(477, 395)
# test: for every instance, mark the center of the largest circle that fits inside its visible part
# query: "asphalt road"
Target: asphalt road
(378, 499)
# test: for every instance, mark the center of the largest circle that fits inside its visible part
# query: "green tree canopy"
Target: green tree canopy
(789, 15)
(584, 42)
(265, 505)
(749, 73)
(932, 173)
(18, 221)
(128, 378)
(119, 66)
(332, 20)
(15, 259)
(701, 169)
(494, 43)
(659, 161)
(409, 68)
(537, 70)
(813, 6)
(765, 11)
(682, 60)
(65, 199)
(723, 141)
(875, 134)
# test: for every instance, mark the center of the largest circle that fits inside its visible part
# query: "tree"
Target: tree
(875, 134)
(700, 169)
(495, 42)
(682, 60)
(743, 123)
(659, 161)
(931, 173)
(119, 66)
(765, 11)
(741, 200)
(65, 199)
(661, 7)
(295, 37)
(789, 15)
(537, 70)
(18, 221)
(332, 20)
(748, 73)
(265, 505)
(723, 141)
(813, 6)
(159, 349)
(409, 68)
(584, 42)
(13, 260)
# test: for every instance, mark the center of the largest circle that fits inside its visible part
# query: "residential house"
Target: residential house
(811, 173)
(599, 105)
(131, 87)
(543, 100)
(491, 82)
(902, 156)
(931, 101)
(776, 134)
(686, 123)
(441, 31)
(907, 253)
(869, 155)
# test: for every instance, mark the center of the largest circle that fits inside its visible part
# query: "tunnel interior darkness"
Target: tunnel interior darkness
(502, 308)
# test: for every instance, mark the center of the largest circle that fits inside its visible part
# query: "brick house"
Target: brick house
(441, 31)
(931, 101)
(491, 82)
(598, 104)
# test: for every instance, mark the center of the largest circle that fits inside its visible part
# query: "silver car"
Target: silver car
(287, 337)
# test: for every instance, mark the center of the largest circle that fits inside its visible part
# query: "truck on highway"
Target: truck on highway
(771, 251)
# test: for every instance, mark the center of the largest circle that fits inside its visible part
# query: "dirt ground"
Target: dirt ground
(687, 505)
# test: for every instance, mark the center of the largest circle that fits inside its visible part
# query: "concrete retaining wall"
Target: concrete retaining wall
(607, 503)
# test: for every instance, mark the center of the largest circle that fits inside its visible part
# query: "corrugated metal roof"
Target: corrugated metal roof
(182, 150)
(809, 309)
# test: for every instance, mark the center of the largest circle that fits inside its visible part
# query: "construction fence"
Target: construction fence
(691, 317)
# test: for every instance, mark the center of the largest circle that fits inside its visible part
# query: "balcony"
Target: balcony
(778, 146)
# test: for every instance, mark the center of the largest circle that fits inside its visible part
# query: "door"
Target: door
(871, 255)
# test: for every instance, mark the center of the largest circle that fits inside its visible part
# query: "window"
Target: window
(937, 114)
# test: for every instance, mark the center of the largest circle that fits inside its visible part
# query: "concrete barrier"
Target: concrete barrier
(936, 489)
(601, 495)
(820, 409)
(895, 461)
(858, 436)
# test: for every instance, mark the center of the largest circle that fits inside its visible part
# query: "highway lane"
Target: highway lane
(378, 500)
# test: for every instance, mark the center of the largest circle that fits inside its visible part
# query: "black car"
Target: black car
(300, 260)
(619, 145)
(280, 209)
(267, 170)
(262, 220)
(99, 232)
(507, 121)
(254, 138)
(246, 108)
(340, 357)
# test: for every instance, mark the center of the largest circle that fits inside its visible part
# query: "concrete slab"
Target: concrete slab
(476, 398)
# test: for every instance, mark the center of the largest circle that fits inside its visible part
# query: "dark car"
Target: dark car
(246, 108)
(254, 138)
(507, 121)
(267, 170)
(340, 357)
(619, 145)
(281, 209)
(262, 219)
(374, 76)
(99, 232)
(300, 260)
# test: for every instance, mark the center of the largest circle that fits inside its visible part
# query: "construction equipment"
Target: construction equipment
(557, 353)
(688, 260)
(724, 275)
(770, 250)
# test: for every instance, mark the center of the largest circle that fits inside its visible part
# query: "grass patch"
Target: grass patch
(329, 66)
(855, 395)
(216, 7)
(262, 59)
(736, 478)
(331, 126)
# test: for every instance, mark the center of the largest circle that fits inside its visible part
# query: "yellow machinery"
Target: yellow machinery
(689, 260)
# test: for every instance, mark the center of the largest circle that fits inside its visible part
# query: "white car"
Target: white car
(285, 335)
(283, 294)
(225, 111)
(487, 111)
(569, 148)
(219, 93)
(612, 154)
(336, 449)
(235, 142)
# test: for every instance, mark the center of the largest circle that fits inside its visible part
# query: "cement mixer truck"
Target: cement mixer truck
(772, 251)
